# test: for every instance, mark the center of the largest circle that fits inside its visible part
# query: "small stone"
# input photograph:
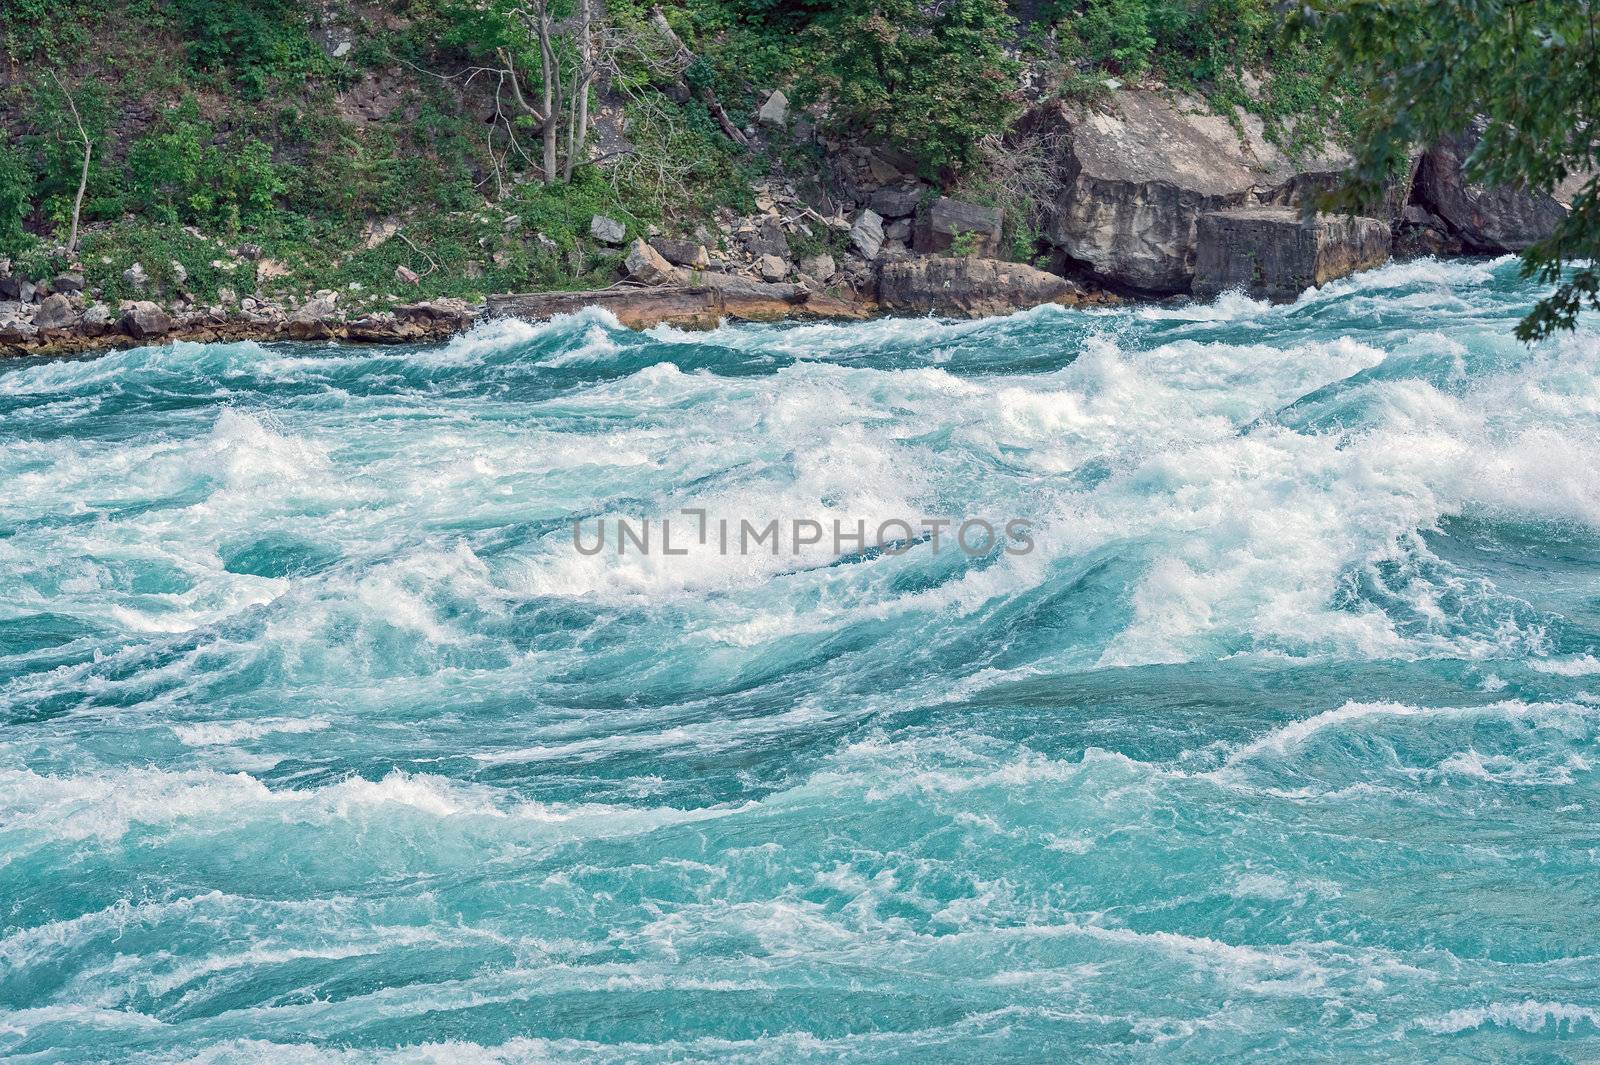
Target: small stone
(472, 270)
(226, 296)
(249, 251)
(607, 230)
(67, 283)
(248, 304)
(406, 274)
(179, 274)
(135, 276)
(775, 112)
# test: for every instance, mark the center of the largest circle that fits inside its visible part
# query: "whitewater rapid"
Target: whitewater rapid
(320, 741)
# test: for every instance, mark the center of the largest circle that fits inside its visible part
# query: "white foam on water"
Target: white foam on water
(105, 806)
(1529, 1015)
(1585, 665)
(212, 734)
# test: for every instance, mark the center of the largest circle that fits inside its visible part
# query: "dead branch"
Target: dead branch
(686, 59)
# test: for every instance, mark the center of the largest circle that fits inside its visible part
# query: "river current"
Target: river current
(321, 741)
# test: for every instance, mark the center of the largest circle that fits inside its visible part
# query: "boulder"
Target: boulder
(135, 276)
(312, 321)
(775, 112)
(688, 253)
(820, 267)
(1135, 177)
(866, 236)
(772, 267)
(899, 201)
(143, 320)
(96, 320)
(68, 282)
(56, 312)
(972, 287)
(11, 289)
(944, 221)
(17, 331)
(648, 266)
(768, 239)
(608, 230)
(1276, 253)
(1483, 219)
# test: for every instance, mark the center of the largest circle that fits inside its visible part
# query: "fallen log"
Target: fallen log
(696, 306)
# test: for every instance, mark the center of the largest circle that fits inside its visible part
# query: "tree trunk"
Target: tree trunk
(582, 80)
(83, 178)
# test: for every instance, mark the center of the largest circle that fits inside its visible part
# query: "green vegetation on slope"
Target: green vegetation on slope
(296, 126)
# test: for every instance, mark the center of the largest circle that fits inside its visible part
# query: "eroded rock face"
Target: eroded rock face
(1275, 253)
(1483, 219)
(1137, 176)
(973, 287)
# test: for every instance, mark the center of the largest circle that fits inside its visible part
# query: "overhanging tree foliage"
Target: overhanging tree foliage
(1531, 67)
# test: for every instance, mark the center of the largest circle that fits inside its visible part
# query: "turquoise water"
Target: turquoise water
(319, 741)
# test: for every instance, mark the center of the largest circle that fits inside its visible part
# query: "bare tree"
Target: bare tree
(83, 178)
(583, 76)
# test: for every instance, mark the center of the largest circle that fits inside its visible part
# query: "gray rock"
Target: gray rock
(898, 201)
(135, 276)
(866, 236)
(96, 320)
(1274, 253)
(647, 266)
(11, 288)
(17, 331)
(314, 320)
(768, 239)
(688, 253)
(898, 231)
(179, 274)
(144, 320)
(775, 112)
(1137, 175)
(406, 274)
(972, 287)
(772, 268)
(1484, 219)
(252, 252)
(69, 282)
(608, 230)
(56, 312)
(941, 223)
(227, 296)
(820, 267)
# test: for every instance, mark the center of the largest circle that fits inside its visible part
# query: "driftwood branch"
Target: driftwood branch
(686, 59)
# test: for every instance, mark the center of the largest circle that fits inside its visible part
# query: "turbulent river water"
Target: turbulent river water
(321, 741)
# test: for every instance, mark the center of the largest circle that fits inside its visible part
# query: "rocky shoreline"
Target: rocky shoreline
(1151, 196)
